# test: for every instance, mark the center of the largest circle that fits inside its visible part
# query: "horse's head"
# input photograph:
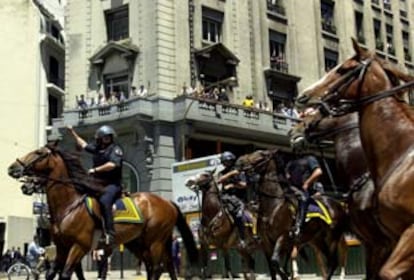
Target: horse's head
(201, 181)
(38, 162)
(345, 81)
(357, 77)
(255, 162)
(316, 128)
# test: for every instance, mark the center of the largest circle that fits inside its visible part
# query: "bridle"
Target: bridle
(254, 169)
(345, 106)
(28, 167)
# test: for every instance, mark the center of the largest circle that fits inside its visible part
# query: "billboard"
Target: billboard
(186, 199)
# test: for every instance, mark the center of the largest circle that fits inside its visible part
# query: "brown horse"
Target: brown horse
(364, 83)
(277, 214)
(217, 228)
(353, 173)
(77, 231)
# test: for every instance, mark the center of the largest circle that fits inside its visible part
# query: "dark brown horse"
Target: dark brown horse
(77, 231)
(353, 174)
(277, 214)
(366, 84)
(217, 228)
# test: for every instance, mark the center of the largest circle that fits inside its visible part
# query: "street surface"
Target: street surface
(131, 275)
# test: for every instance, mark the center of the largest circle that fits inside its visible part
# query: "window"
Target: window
(406, 45)
(53, 108)
(277, 45)
(359, 26)
(54, 72)
(387, 5)
(331, 59)
(390, 39)
(116, 84)
(327, 14)
(117, 23)
(212, 24)
(403, 8)
(379, 45)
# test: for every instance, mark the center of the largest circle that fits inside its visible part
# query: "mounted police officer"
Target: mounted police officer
(303, 175)
(233, 191)
(107, 166)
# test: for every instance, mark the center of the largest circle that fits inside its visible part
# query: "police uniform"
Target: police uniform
(112, 153)
(299, 171)
(233, 197)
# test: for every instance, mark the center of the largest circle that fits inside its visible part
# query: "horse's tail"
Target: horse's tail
(187, 237)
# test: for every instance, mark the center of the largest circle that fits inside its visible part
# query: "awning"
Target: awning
(125, 49)
(230, 57)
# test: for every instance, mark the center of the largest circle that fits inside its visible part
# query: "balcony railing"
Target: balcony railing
(327, 25)
(361, 38)
(403, 14)
(279, 65)
(183, 107)
(376, 2)
(387, 6)
(379, 45)
(276, 7)
(59, 82)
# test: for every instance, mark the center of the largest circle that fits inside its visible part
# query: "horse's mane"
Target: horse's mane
(82, 181)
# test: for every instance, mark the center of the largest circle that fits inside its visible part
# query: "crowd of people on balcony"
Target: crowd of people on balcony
(212, 94)
(114, 98)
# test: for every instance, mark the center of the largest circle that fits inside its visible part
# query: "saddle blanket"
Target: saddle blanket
(317, 209)
(124, 210)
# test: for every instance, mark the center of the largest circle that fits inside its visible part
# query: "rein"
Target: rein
(314, 136)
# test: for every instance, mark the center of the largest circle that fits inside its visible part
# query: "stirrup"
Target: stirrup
(109, 238)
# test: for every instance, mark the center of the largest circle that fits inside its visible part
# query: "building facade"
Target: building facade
(174, 50)
(33, 57)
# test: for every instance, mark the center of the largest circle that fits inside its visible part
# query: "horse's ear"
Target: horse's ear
(53, 145)
(357, 48)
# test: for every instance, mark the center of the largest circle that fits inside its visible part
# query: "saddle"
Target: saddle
(250, 221)
(316, 210)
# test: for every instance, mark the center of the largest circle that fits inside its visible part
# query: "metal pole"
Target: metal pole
(121, 252)
(328, 170)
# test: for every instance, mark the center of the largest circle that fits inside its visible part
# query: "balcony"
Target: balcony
(407, 57)
(276, 7)
(279, 65)
(328, 26)
(361, 38)
(276, 11)
(202, 113)
(59, 82)
(379, 45)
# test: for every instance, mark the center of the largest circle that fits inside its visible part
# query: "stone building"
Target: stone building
(174, 49)
(32, 71)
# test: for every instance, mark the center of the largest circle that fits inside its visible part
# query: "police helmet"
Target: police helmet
(227, 156)
(105, 130)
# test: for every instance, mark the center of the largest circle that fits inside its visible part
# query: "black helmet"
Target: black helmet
(227, 156)
(105, 130)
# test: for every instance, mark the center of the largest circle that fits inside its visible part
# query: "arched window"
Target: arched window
(130, 178)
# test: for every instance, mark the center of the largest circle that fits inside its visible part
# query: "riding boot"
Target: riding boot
(240, 228)
(109, 225)
(301, 214)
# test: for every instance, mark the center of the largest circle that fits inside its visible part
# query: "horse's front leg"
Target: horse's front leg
(74, 257)
(275, 259)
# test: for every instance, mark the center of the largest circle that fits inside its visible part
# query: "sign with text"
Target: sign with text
(185, 198)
